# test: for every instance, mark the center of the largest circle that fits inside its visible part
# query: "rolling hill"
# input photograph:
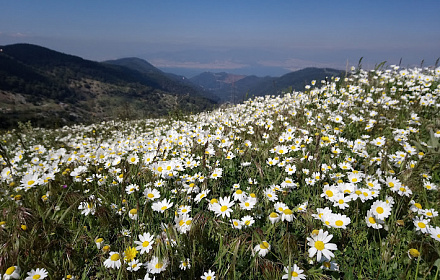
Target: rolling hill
(146, 68)
(51, 88)
(235, 88)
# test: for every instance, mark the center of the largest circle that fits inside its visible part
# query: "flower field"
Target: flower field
(338, 181)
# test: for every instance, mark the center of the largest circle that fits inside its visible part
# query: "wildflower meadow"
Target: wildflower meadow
(339, 181)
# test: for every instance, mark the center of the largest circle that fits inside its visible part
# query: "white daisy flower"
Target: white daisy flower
(319, 245)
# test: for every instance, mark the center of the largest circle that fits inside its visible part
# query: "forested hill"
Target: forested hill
(51, 88)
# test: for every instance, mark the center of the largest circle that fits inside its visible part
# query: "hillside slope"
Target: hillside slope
(174, 82)
(235, 88)
(50, 88)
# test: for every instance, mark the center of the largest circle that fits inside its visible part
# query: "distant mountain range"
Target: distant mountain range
(233, 88)
(236, 88)
(51, 88)
(146, 68)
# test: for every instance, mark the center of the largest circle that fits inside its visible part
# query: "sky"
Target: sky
(260, 37)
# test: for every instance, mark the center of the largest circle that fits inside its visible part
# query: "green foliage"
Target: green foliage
(53, 89)
(65, 188)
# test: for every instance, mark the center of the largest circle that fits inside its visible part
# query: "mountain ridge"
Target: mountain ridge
(51, 88)
(249, 86)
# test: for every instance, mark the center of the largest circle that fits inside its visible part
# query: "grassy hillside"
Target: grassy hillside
(337, 182)
(50, 88)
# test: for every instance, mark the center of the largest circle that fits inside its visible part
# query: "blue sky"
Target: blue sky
(230, 35)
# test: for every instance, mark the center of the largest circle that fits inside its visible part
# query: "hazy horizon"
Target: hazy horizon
(243, 37)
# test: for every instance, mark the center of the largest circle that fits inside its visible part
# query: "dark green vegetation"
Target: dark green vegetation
(50, 88)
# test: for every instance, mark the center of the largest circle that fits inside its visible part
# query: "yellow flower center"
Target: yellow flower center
(372, 220)
(145, 244)
(421, 225)
(238, 191)
(288, 212)
(319, 245)
(264, 245)
(329, 193)
(130, 253)
(150, 195)
(273, 215)
(158, 265)
(391, 184)
(99, 240)
(133, 211)
(294, 274)
(414, 253)
(10, 270)
(208, 278)
(31, 182)
(224, 208)
(379, 210)
(114, 257)
(339, 223)
(418, 205)
(36, 276)
(163, 208)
